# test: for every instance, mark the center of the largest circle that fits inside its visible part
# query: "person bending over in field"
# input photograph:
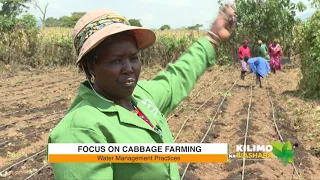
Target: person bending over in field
(259, 66)
(112, 106)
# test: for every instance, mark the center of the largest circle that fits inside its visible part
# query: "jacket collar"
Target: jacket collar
(86, 93)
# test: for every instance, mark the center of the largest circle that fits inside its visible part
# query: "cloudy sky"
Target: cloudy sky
(152, 13)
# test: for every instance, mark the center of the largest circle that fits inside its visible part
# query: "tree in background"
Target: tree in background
(165, 27)
(271, 19)
(308, 48)
(267, 20)
(70, 21)
(195, 27)
(53, 22)
(315, 3)
(12, 8)
(43, 11)
(65, 21)
(16, 28)
(135, 22)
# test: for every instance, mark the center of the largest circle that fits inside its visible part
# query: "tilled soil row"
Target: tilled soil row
(20, 82)
(198, 124)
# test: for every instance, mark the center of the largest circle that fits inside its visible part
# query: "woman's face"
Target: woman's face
(118, 67)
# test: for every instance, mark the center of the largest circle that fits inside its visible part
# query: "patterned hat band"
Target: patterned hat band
(95, 26)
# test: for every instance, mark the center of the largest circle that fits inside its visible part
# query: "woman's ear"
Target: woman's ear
(91, 70)
(92, 73)
(90, 66)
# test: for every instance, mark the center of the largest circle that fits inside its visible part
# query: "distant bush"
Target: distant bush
(165, 27)
(19, 39)
(24, 43)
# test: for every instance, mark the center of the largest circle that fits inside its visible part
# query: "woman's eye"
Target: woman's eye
(116, 61)
(135, 58)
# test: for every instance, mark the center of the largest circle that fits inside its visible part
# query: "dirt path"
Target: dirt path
(33, 103)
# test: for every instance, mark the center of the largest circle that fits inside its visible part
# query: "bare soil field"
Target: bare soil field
(33, 102)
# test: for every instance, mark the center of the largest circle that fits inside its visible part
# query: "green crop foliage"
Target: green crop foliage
(283, 152)
(308, 41)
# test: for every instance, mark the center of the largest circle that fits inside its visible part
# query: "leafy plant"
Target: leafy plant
(283, 151)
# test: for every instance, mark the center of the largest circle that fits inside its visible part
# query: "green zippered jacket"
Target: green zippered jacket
(93, 120)
(262, 52)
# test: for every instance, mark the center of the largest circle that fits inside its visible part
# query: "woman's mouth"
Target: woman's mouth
(130, 82)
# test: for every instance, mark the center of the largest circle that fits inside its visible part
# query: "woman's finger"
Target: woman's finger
(224, 22)
(219, 24)
(224, 33)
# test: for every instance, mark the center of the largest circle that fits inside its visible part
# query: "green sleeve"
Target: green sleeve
(168, 88)
(80, 170)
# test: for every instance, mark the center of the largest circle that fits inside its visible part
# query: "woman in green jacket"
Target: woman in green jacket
(262, 50)
(112, 106)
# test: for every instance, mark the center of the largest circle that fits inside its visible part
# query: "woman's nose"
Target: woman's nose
(127, 67)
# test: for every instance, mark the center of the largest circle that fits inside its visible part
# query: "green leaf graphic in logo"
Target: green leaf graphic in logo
(283, 151)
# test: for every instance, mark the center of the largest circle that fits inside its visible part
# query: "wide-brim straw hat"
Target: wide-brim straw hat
(145, 37)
